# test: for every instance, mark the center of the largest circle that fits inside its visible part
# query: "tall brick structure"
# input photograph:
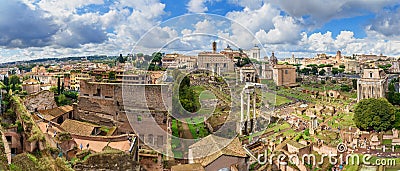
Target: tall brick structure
(123, 105)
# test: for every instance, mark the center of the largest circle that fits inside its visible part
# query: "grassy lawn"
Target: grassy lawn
(274, 99)
(175, 145)
(198, 89)
(178, 154)
(174, 128)
(289, 133)
(278, 127)
(207, 95)
(351, 168)
(270, 83)
(251, 136)
(387, 142)
(343, 121)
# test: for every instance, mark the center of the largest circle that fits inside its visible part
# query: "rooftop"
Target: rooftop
(212, 147)
(186, 167)
(55, 112)
(78, 128)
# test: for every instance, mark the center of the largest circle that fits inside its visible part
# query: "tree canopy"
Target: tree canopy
(121, 59)
(393, 96)
(374, 114)
(184, 95)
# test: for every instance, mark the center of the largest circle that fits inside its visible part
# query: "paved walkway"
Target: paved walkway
(98, 146)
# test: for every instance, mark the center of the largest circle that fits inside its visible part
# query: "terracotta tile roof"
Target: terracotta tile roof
(77, 127)
(212, 147)
(55, 112)
(186, 167)
(284, 67)
(31, 81)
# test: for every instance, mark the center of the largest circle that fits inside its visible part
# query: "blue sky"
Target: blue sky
(47, 28)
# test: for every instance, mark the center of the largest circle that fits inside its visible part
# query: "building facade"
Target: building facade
(373, 84)
(284, 75)
(126, 106)
(215, 62)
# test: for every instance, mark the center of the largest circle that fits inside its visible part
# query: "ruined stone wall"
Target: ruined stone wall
(40, 101)
(108, 161)
(110, 104)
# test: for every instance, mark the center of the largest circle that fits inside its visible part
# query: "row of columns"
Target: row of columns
(249, 120)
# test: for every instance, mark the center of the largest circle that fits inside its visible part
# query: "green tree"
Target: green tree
(305, 71)
(62, 87)
(393, 96)
(335, 71)
(14, 80)
(184, 95)
(121, 59)
(157, 56)
(62, 100)
(58, 85)
(374, 114)
(341, 66)
(53, 89)
(71, 94)
(322, 72)
(354, 82)
(314, 70)
(6, 81)
(345, 88)
(111, 75)
(396, 123)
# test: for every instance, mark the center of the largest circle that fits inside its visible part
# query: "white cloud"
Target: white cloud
(15, 20)
(387, 23)
(197, 6)
(285, 31)
(251, 4)
(57, 29)
(319, 42)
(343, 39)
(320, 11)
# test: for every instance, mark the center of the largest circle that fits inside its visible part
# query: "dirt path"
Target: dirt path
(186, 131)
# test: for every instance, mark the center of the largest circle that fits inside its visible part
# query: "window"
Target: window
(150, 139)
(286, 71)
(370, 74)
(97, 92)
(159, 140)
(141, 137)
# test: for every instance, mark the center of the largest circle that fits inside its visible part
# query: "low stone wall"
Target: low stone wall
(102, 138)
(108, 161)
(323, 149)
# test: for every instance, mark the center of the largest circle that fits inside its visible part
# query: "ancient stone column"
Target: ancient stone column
(254, 104)
(254, 111)
(248, 105)
(241, 107)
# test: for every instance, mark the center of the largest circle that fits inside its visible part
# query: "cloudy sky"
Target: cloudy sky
(31, 29)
